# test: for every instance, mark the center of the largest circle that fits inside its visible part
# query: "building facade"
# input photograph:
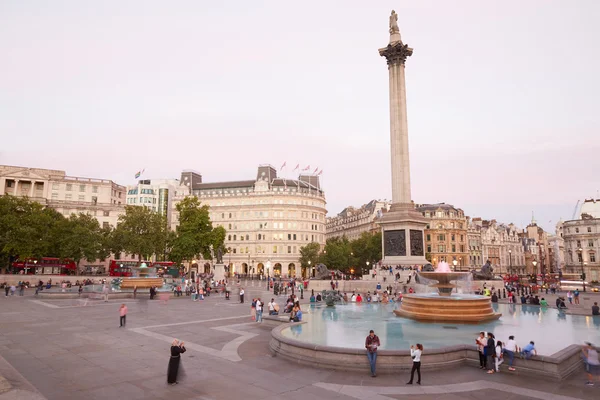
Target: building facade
(500, 244)
(445, 234)
(353, 222)
(267, 219)
(582, 242)
(68, 195)
(158, 195)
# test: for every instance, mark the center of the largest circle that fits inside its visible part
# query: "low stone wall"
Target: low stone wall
(33, 279)
(361, 286)
(558, 366)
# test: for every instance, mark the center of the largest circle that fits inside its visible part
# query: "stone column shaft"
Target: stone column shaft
(399, 136)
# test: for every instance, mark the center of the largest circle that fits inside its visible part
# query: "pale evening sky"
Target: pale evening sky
(502, 95)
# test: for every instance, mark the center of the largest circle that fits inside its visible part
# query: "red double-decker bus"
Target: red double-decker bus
(44, 266)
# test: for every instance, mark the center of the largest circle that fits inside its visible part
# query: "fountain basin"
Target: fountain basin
(141, 283)
(470, 309)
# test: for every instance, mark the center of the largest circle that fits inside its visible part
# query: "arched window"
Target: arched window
(234, 237)
(229, 237)
(247, 237)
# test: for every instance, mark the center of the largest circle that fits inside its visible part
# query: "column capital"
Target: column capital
(396, 53)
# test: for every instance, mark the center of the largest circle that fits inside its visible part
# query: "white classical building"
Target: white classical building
(498, 243)
(352, 222)
(101, 198)
(267, 219)
(582, 241)
(157, 194)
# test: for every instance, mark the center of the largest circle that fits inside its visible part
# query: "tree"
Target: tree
(338, 254)
(140, 231)
(310, 252)
(82, 238)
(195, 233)
(367, 248)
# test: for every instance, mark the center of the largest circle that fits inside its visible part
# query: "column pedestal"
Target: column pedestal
(403, 239)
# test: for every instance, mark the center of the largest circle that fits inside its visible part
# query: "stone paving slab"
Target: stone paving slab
(81, 353)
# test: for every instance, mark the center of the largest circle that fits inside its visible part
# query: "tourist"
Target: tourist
(313, 298)
(576, 296)
(570, 297)
(523, 298)
(272, 305)
(543, 302)
(176, 350)
(528, 351)
(595, 309)
(481, 343)
(135, 291)
(378, 286)
(6, 289)
(510, 348)
(320, 298)
(253, 310)
(105, 292)
(592, 364)
(359, 298)
(490, 351)
(259, 310)
(123, 314)
(415, 354)
(560, 303)
(345, 298)
(242, 295)
(294, 312)
(371, 344)
(80, 290)
(353, 298)
(510, 297)
(494, 298)
(499, 353)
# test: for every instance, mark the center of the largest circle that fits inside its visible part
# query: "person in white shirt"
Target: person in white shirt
(499, 360)
(415, 353)
(353, 298)
(242, 295)
(271, 306)
(259, 308)
(510, 348)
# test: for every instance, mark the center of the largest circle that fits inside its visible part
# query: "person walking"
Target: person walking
(123, 313)
(570, 297)
(576, 296)
(371, 344)
(242, 295)
(481, 343)
(415, 354)
(105, 293)
(6, 289)
(174, 362)
(592, 364)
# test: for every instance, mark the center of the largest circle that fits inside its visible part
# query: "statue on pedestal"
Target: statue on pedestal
(485, 274)
(220, 255)
(394, 23)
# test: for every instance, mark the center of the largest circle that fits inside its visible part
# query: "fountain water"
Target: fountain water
(444, 306)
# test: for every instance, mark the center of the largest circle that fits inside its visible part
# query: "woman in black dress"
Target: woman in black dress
(176, 350)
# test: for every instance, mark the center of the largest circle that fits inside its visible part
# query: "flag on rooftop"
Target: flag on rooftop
(284, 164)
(297, 166)
(307, 168)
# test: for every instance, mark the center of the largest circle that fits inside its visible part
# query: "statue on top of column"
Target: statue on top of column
(394, 23)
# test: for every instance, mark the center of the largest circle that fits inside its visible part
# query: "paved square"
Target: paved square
(69, 349)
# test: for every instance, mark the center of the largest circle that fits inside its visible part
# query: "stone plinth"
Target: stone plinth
(403, 239)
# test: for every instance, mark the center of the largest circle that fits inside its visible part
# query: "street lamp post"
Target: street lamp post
(309, 267)
(534, 262)
(510, 271)
(454, 263)
(583, 275)
(580, 251)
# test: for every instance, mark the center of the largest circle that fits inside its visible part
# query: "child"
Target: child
(529, 350)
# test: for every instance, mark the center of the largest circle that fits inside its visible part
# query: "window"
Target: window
(247, 237)
(428, 237)
(462, 238)
(453, 237)
(462, 248)
(289, 249)
(454, 248)
(234, 237)
(274, 249)
(107, 213)
(82, 197)
(69, 187)
(591, 243)
(105, 225)
(576, 230)
(592, 257)
(579, 257)
(242, 238)
(441, 248)
(94, 189)
(229, 238)
(82, 188)
(229, 215)
(54, 196)
(578, 243)
(442, 237)
(68, 196)
(289, 236)
(294, 236)
(589, 229)
(95, 200)
(429, 248)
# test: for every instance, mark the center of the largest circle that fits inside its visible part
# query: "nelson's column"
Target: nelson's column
(402, 226)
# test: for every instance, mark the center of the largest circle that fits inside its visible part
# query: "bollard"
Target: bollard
(301, 293)
(504, 293)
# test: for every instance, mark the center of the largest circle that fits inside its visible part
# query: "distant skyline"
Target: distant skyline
(502, 96)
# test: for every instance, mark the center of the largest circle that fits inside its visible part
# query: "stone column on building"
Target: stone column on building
(402, 226)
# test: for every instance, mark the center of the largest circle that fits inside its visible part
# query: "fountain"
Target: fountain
(142, 277)
(444, 306)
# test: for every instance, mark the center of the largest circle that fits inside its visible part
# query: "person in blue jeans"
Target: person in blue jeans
(371, 344)
(529, 351)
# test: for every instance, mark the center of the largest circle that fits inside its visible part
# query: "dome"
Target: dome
(590, 207)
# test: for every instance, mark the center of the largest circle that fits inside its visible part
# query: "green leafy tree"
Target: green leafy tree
(195, 233)
(310, 252)
(337, 254)
(140, 231)
(81, 238)
(367, 248)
